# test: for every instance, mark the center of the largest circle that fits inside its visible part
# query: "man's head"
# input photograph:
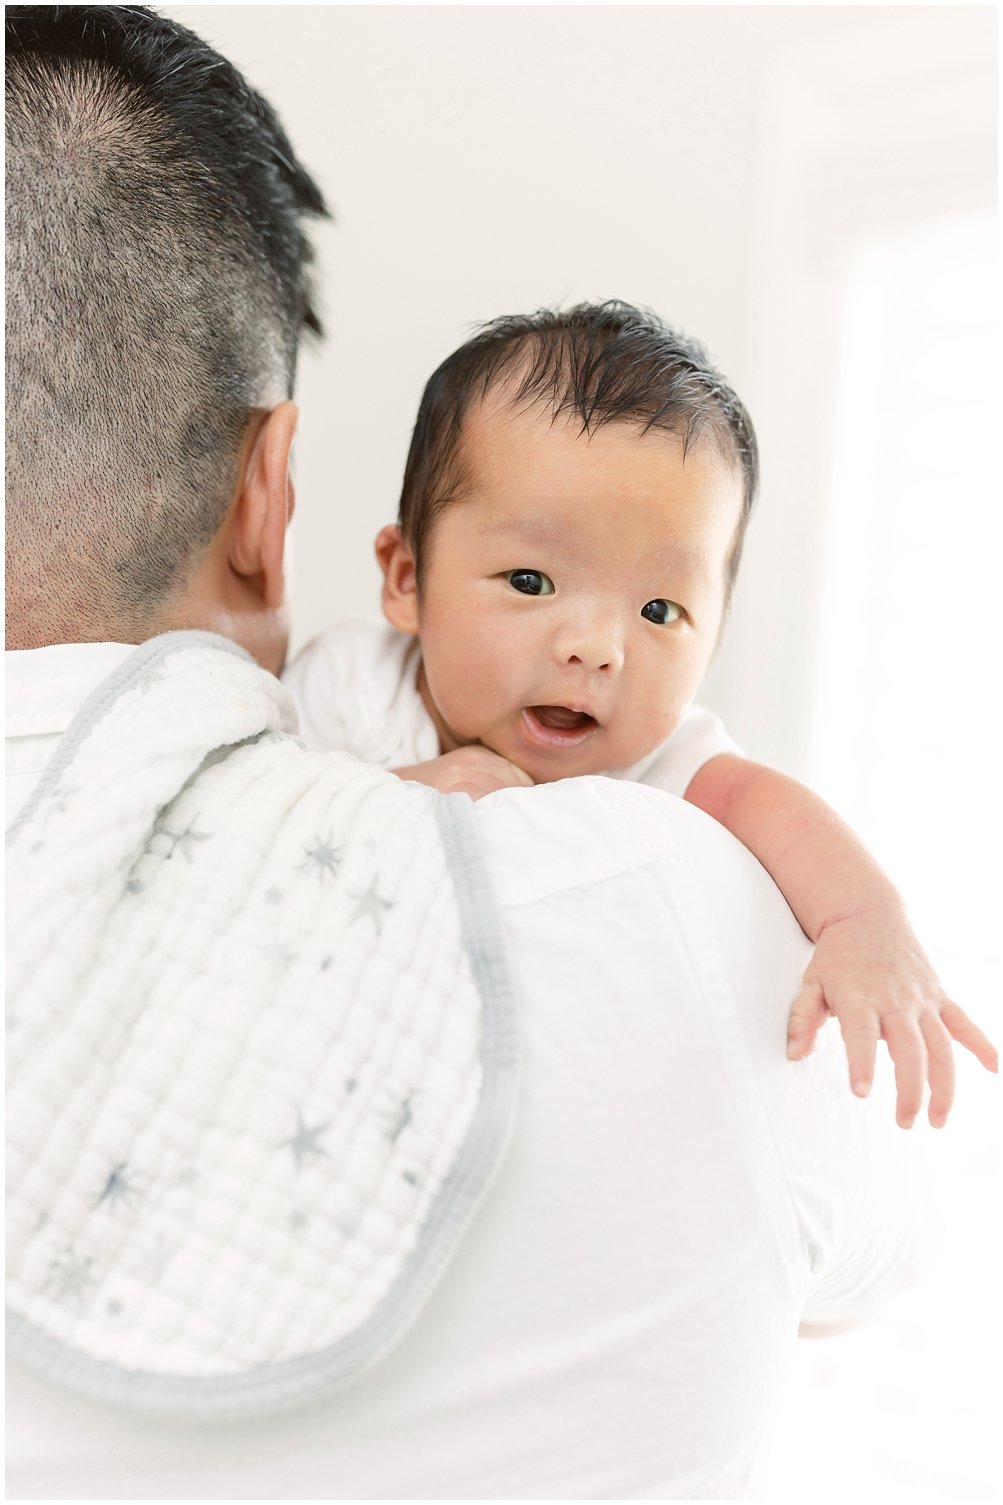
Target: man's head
(156, 287)
(573, 513)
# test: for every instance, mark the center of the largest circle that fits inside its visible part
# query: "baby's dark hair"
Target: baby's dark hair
(607, 362)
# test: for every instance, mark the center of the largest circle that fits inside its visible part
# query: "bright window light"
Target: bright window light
(906, 746)
(905, 735)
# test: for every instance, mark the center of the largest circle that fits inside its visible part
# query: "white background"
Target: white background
(807, 190)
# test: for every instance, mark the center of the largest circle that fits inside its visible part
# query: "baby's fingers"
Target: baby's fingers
(808, 1013)
(940, 1069)
(907, 1049)
(861, 1033)
(969, 1035)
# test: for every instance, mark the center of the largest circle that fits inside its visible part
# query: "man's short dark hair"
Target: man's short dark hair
(607, 363)
(157, 288)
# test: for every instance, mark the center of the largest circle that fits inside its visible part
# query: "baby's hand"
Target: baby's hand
(870, 972)
(469, 770)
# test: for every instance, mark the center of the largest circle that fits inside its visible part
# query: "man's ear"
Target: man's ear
(264, 505)
(400, 579)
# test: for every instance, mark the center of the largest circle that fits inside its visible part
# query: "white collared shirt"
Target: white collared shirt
(44, 689)
(620, 1320)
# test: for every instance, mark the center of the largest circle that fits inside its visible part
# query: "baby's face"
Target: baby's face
(573, 597)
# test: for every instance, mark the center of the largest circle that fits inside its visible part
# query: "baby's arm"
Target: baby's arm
(868, 968)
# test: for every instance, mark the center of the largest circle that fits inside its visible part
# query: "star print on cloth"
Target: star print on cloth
(304, 1142)
(70, 1278)
(181, 840)
(401, 1116)
(323, 858)
(120, 1189)
(372, 904)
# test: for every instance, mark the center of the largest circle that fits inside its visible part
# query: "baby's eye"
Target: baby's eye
(530, 582)
(662, 612)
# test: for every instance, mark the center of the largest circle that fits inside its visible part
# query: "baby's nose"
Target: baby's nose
(595, 645)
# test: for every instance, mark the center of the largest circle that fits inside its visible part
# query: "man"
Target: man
(674, 1198)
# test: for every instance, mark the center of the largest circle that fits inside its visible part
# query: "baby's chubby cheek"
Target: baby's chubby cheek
(455, 698)
(617, 753)
(644, 724)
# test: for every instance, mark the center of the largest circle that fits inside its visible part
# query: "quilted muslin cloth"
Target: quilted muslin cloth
(262, 1046)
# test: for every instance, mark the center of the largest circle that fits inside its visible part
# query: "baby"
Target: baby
(574, 505)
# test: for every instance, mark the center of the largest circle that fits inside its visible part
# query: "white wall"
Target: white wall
(710, 161)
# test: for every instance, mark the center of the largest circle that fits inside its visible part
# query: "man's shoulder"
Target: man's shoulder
(625, 888)
(584, 829)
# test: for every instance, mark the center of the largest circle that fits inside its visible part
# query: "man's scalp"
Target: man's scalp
(157, 286)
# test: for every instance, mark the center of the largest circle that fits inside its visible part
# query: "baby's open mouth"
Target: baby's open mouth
(560, 719)
(558, 727)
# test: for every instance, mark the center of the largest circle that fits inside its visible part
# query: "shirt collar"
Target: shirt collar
(45, 687)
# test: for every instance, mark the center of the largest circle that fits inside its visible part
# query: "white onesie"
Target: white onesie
(356, 690)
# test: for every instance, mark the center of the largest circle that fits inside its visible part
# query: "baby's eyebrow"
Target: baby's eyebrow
(532, 530)
(673, 554)
(683, 556)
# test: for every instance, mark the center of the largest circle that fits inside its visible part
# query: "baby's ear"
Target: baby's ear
(400, 579)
